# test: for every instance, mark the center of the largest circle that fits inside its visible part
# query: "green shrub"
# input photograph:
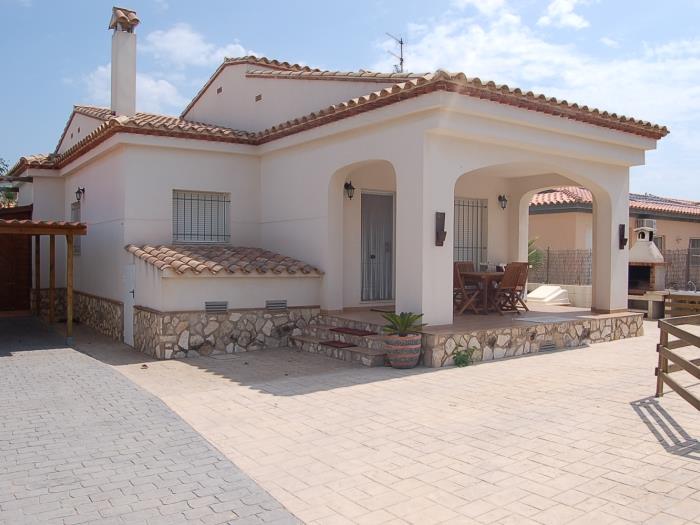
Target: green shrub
(463, 356)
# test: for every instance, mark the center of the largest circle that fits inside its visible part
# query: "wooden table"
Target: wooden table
(486, 279)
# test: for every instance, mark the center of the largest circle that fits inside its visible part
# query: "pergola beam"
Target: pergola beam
(41, 229)
(69, 288)
(52, 279)
(37, 274)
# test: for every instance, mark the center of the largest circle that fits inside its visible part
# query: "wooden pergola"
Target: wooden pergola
(51, 228)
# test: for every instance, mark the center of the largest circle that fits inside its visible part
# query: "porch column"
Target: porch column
(610, 263)
(69, 288)
(332, 284)
(423, 270)
(37, 274)
(519, 225)
(52, 277)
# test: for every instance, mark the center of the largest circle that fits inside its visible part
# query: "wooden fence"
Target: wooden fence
(665, 348)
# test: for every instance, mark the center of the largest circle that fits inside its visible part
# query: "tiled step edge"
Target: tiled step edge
(356, 354)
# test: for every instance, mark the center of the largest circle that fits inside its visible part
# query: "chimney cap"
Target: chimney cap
(123, 19)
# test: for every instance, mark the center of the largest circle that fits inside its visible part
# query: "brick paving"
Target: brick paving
(563, 437)
(79, 443)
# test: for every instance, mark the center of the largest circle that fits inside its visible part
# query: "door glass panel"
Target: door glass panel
(377, 247)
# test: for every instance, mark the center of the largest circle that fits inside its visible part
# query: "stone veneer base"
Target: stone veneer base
(530, 338)
(103, 314)
(166, 335)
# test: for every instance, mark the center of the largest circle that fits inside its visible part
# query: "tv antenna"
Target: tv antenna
(398, 68)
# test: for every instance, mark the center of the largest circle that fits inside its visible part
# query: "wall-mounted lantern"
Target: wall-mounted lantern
(503, 201)
(440, 233)
(79, 193)
(623, 237)
(349, 189)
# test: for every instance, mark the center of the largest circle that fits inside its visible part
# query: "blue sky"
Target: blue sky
(640, 58)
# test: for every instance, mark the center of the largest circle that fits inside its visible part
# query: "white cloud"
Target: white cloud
(181, 46)
(661, 83)
(153, 95)
(560, 13)
(610, 42)
(486, 7)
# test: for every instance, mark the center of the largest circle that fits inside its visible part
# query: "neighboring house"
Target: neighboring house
(562, 219)
(267, 156)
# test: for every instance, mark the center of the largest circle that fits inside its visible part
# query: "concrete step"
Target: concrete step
(356, 354)
(325, 333)
(334, 321)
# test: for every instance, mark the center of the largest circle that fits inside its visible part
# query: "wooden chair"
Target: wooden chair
(465, 295)
(508, 296)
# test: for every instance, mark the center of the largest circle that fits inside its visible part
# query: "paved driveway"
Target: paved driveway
(79, 443)
(566, 437)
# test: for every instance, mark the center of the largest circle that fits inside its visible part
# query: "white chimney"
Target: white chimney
(123, 22)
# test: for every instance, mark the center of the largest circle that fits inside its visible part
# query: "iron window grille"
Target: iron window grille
(694, 252)
(470, 231)
(201, 217)
(75, 217)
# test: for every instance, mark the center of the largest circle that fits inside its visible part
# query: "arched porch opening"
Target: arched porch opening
(361, 236)
(491, 222)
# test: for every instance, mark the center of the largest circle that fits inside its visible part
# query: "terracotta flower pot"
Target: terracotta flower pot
(403, 352)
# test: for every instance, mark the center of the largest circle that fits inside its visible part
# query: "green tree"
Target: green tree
(535, 256)
(7, 198)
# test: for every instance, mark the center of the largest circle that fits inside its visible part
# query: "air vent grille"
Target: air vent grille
(277, 304)
(216, 307)
(547, 346)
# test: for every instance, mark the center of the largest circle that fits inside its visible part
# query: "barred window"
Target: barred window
(75, 217)
(660, 242)
(470, 242)
(694, 252)
(201, 216)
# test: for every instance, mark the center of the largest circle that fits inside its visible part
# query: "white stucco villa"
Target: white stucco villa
(264, 157)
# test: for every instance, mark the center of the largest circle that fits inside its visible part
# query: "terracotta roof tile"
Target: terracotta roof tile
(126, 18)
(362, 75)
(214, 259)
(412, 86)
(143, 123)
(571, 195)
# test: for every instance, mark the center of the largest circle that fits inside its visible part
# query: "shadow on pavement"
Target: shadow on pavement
(667, 431)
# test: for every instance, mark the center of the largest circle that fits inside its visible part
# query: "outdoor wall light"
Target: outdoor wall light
(440, 233)
(349, 189)
(79, 193)
(503, 201)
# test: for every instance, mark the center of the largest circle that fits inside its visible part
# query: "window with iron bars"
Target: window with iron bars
(201, 217)
(694, 252)
(470, 228)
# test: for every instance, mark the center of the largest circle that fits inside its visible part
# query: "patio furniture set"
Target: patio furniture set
(484, 292)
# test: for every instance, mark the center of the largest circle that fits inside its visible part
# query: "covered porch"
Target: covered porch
(542, 329)
(25, 230)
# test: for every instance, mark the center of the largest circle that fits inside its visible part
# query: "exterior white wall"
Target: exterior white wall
(79, 127)
(282, 99)
(48, 197)
(98, 268)
(189, 293)
(302, 203)
(152, 173)
(287, 195)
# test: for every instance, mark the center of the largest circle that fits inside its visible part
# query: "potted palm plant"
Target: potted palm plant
(403, 340)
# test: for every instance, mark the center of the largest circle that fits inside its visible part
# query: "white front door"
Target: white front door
(129, 294)
(377, 233)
